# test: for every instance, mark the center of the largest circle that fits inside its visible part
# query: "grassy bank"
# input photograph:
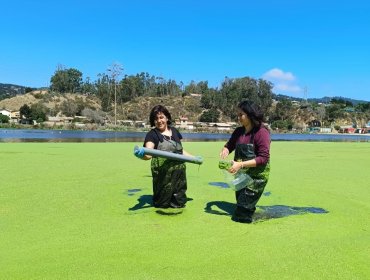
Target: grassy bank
(81, 211)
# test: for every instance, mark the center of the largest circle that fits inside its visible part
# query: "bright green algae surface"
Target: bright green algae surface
(65, 214)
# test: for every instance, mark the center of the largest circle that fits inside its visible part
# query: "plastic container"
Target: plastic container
(238, 181)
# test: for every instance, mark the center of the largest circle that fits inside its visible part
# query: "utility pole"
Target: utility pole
(115, 71)
(305, 94)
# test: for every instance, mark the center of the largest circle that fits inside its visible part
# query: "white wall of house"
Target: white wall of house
(6, 113)
(325, 129)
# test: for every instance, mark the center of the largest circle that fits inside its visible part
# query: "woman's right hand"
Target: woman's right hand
(224, 152)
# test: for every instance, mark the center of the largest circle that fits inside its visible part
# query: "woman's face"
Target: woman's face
(243, 118)
(161, 122)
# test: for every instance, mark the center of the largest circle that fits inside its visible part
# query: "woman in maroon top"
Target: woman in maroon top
(251, 143)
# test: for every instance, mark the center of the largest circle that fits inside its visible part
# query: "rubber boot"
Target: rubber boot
(242, 215)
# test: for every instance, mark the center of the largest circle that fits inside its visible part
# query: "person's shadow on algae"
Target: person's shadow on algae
(263, 213)
(146, 201)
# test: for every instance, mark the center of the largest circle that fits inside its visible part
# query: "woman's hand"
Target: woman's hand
(237, 165)
(224, 152)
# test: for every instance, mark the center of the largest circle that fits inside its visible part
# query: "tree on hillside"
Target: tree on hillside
(66, 80)
(211, 115)
(341, 102)
(197, 88)
(283, 110)
(69, 108)
(335, 111)
(173, 88)
(264, 94)
(25, 111)
(88, 87)
(102, 91)
(131, 87)
(73, 107)
(95, 116)
(235, 90)
(29, 89)
(3, 118)
(363, 107)
(38, 112)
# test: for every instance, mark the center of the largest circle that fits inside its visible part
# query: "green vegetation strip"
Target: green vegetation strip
(80, 211)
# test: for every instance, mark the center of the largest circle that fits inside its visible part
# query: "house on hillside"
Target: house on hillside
(367, 128)
(126, 122)
(13, 116)
(55, 121)
(184, 123)
(347, 129)
(140, 124)
(221, 126)
(5, 112)
(314, 123)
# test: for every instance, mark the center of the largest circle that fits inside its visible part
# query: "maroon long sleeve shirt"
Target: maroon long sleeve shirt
(261, 143)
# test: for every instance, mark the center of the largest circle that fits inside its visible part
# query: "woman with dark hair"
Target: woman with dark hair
(251, 143)
(169, 176)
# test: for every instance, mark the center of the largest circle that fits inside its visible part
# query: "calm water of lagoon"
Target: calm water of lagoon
(41, 135)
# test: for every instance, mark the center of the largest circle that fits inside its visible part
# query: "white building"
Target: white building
(13, 116)
(5, 113)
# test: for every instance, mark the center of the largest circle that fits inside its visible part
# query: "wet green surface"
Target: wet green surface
(83, 211)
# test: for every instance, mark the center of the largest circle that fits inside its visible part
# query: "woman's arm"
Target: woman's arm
(149, 145)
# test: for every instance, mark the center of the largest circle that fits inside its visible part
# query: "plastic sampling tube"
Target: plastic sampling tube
(169, 155)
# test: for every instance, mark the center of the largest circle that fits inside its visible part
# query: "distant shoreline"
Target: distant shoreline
(131, 129)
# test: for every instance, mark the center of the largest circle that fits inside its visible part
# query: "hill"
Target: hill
(53, 102)
(188, 106)
(138, 109)
(10, 90)
(325, 99)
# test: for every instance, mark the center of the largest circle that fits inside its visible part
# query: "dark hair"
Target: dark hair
(159, 109)
(253, 112)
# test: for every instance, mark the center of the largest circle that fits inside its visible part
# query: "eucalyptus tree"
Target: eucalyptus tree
(197, 88)
(147, 82)
(191, 88)
(235, 90)
(131, 87)
(211, 98)
(173, 88)
(102, 86)
(88, 87)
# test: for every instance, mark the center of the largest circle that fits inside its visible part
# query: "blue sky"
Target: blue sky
(321, 46)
